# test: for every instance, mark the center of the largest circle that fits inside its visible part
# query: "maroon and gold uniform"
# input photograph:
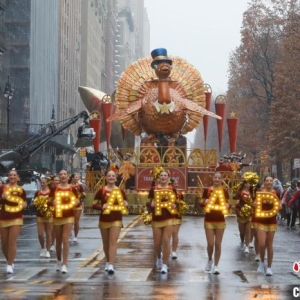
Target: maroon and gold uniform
(40, 218)
(80, 192)
(7, 217)
(244, 199)
(178, 217)
(114, 218)
(67, 214)
(215, 218)
(166, 218)
(267, 224)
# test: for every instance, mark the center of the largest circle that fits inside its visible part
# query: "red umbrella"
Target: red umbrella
(220, 105)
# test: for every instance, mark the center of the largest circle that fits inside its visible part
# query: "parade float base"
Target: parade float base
(192, 168)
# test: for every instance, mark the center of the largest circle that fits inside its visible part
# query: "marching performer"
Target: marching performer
(216, 206)
(13, 201)
(266, 226)
(44, 217)
(177, 223)
(162, 203)
(244, 213)
(74, 181)
(64, 198)
(110, 219)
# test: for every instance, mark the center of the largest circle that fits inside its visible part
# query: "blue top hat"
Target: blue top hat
(160, 55)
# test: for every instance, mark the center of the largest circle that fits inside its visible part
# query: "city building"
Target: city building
(52, 47)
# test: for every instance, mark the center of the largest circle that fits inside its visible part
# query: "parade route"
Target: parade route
(135, 273)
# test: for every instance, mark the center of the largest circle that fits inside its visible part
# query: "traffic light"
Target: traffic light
(82, 152)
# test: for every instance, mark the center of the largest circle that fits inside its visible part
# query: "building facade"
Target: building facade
(51, 48)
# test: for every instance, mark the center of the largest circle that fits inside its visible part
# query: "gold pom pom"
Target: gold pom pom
(182, 208)
(41, 205)
(147, 218)
(156, 171)
(251, 177)
(246, 211)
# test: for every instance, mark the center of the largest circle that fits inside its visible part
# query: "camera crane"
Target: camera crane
(18, 157)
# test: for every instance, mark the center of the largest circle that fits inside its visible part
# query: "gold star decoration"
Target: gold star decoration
(164, 108)
(232, 114)
(106, 99)
(95, 114)
(207, 88)
(220, 99)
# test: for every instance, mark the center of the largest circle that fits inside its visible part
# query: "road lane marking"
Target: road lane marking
(26, 274)
(139, 274)
(82, 275)
(198, 276)
(92, 259)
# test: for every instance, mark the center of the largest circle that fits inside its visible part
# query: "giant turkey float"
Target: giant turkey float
(159, 99)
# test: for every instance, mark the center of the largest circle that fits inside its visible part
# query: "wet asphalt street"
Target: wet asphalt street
(135, 274)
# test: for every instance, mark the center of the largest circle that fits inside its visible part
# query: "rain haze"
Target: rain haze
(202, 32)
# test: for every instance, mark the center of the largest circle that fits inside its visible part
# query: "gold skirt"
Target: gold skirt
(177, 222)
(63, 221)
(270, 227)
(243, 220)
(163, 223)
(44, 220)
(214, 225)
(106, 225)
(10, 223)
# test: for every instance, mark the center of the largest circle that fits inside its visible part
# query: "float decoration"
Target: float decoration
(220, 105)
(91, 98)
(115, 196)
(95, 123)
(154, 98)
(207, 91)
(9, 195)
(61, 196)
(232, 122)
(165, 199)
(266, 198)
(40, 202)
(107, 110)
(217, 194)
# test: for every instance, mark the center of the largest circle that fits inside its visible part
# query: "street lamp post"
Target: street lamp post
(8, 93)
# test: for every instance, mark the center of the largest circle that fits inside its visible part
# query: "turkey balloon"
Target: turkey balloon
(160, 95)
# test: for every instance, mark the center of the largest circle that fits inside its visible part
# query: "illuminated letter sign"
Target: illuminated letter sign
(10, 195)
(66, 196)
(217, 195)
(165, 199)
(115, 196)
(266, 198)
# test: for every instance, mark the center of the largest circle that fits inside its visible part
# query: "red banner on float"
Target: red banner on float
(220, 106)
(107, 109)
(144, 177)
(232, 133)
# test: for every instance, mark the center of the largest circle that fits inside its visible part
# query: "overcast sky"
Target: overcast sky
(202, 32)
